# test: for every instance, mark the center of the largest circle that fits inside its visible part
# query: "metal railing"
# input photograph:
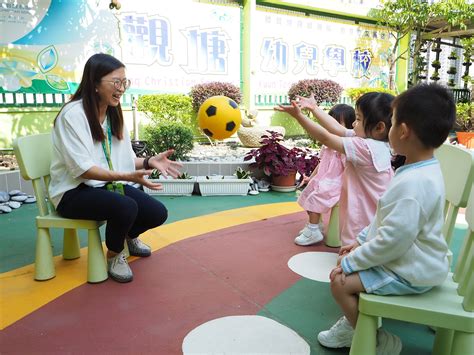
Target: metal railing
(22, 100)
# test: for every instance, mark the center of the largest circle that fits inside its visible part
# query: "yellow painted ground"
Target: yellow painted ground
(20, 294)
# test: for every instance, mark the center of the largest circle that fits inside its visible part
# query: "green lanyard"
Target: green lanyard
(107, 145)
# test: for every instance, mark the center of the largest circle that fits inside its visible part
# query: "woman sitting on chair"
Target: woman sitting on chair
(94, 170)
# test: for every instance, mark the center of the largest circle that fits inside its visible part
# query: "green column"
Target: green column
(249, 8)
(401, 79)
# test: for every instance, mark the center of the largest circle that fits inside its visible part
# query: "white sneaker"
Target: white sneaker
(137, 248)
(339, 336)
(388, 343)
(309, 236)
(321, 227)
(301, 231)
(118, 268)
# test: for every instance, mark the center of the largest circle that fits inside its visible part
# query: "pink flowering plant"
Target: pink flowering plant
(327, 91)
(201, 92)
(274, 158)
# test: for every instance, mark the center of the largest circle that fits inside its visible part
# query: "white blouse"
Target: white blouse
(75, 152)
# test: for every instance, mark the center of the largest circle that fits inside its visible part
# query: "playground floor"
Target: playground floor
(224, 277)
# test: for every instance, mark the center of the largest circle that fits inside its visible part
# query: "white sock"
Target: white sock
(313, 226)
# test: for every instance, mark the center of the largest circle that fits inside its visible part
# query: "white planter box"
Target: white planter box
(177, 187)
(229, 185)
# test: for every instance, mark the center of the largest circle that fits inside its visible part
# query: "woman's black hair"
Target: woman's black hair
(344, 114)
(376, 107)
(96, 67)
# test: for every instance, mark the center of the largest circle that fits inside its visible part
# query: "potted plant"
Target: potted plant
(453, 56)
(183, 185)
(241, 173)
(451, 83)
(436, 64)
(281, 163)
(452, 70)
(465, 124)
(237, 184)
(435, 76)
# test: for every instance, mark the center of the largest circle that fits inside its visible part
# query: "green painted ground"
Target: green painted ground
(18, 233)
(308, 308)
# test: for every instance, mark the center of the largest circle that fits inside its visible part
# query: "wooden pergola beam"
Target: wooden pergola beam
(456, 33)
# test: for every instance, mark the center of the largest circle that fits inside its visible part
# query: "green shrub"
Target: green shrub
(327, 91)
(464, 116)
(167, 135)
(167, 107)
(292, 127)
(355, 93)
(201, 92)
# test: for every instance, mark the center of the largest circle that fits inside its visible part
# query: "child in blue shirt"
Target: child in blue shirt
(403, 250)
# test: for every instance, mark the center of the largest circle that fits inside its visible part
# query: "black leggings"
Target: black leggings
(126, 215)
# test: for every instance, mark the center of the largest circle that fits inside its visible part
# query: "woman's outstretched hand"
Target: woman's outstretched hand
(165, 166)
(139, 177)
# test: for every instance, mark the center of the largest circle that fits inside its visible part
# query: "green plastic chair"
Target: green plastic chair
(34, 159)
(333, 239)
(456, 166)
(449, 307)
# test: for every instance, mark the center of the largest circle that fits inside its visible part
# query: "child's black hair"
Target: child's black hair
(375, 107)
(344, 114)
(429, 110)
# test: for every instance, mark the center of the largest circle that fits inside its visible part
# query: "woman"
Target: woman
(94, 169)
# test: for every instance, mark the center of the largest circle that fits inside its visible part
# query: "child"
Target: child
(368, 160)
(324, 186)
(403, 250)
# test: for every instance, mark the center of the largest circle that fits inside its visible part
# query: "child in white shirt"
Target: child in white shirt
(403, 250)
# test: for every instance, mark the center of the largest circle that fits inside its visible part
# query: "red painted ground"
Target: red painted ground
(233, 271)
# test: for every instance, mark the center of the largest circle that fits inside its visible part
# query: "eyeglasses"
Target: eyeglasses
(119, 84)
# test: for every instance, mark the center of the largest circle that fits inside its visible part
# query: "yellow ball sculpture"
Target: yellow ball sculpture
(219, 117)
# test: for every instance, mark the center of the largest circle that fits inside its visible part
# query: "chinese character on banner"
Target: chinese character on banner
(306, 57)
(334, 59)
(207, 50)
(361, 61)
(146, 39)
(274, 54)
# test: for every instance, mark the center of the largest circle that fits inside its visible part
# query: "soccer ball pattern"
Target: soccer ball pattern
(219, 117)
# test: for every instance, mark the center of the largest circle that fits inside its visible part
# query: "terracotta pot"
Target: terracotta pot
(284, 180)
(466, 139)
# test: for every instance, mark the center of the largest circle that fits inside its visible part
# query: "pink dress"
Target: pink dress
(366, 177)
(324, 189)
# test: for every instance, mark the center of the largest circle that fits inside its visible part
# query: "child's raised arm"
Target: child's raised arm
(324, 119)
(315, 130)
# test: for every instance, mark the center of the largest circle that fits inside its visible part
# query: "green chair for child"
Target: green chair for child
(456, 166)
(333, 238)
(34, 159)
(449, 307)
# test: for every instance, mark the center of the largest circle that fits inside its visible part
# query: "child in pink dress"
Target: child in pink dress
(368, 160)
(324, 187)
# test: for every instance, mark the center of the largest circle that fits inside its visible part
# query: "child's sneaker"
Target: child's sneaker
(263, 185)
(388, 343)
(321, 227)
(118, 268)
(309, 236)
(339, 336)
